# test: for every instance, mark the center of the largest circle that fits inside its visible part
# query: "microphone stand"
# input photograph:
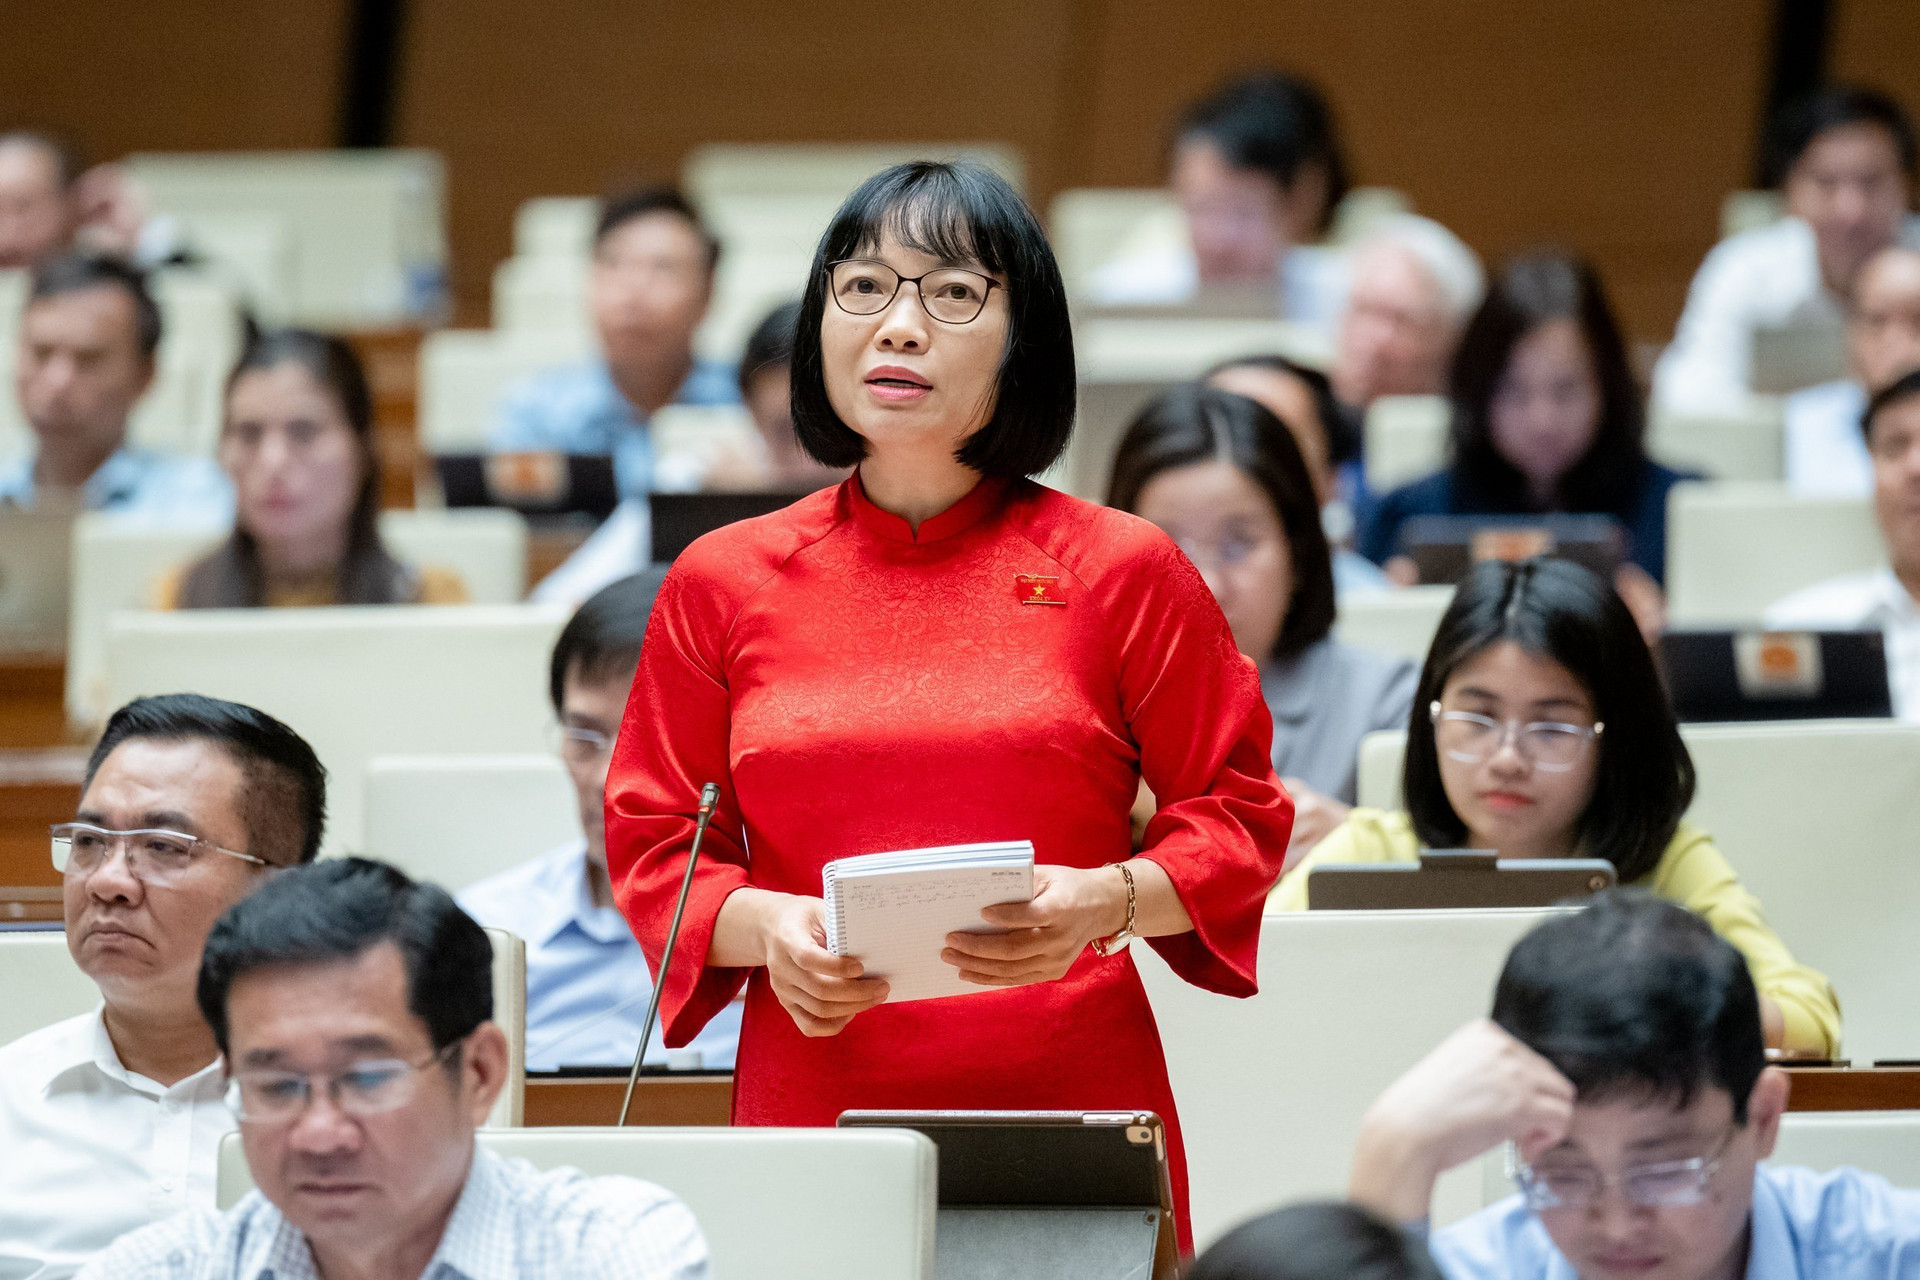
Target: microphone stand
(709, 797)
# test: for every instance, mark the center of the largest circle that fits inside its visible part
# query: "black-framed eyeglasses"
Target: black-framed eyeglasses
(867, 286)
(1667, 1184)
(154, 856)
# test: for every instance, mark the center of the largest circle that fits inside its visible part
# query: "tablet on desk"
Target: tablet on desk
(679, 518)
(1444, 548)
(1455, 878)
(1777, 675)
(534, 484)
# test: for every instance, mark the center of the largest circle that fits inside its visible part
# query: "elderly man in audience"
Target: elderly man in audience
(1887, 598)
(355, 1012)
(1624, 1062)
(649, 287)
(1844, 158)
(87, 343)
(1825, 453)
(110, 1120)
(587, 981)
(1414, 283)
(39, 200)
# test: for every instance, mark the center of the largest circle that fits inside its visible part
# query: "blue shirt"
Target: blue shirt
(139, 482)
(1645, 516)
(587, 980)
(577, 409)
(1842, 1225)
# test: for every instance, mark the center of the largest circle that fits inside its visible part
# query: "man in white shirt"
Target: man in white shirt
(110, 1120)
(587, 980)
(1888, 597)
(1845, 161)
(354, 1010)
(1826, 454)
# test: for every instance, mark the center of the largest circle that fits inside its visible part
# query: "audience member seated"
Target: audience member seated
(1625, 1063)
(1224, 479)
(298, 445)
(1826, 454)
(587, 981)
(1844, 160)
(39, 208)
(354, 1009)
(1316, 1242)
(1541, 730)
(86, 356)
(1546, 418)
(1257, 170)
(778, 464)
(649, 286)
(1414, 283)
(1887, 598)
(111, 1120)
(1303, 400)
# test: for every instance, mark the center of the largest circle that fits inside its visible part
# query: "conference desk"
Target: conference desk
(705, 1099)
(33, 701)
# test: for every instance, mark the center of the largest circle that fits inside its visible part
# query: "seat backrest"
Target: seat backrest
(464, 371)
(1406, 438)
(39, 983)
(510, 1014)
(1397, 622)
(1105, 411)
(456, 820)
(1836, 873)
(555, 226)
(1090, 226)
(546, 292)
(117, 561)
(356, 683)
(801, 1204)
(35, 570)
(1750, 445)
(1733, 549)
(1272, 1088)
(1149, 349)
(1882, 1142)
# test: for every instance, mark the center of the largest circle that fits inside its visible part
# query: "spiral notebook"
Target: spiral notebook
(894, 910)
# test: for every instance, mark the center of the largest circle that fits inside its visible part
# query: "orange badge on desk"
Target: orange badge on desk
(1031, 588)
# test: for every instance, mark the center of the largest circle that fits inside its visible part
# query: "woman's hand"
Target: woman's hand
(1644, 600)
(1070, 908)
(820, 990)
(1314, 818)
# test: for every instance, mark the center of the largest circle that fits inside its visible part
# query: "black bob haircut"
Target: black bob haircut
(72, 272)
(770, 345)
(1635, 997)
(1276, 124)
(1907, 384)
(1337, 421)
(1557, 610)
(1317, 1241)
(1195, 423)
(623, 208)
(602, 639)
(966, 215)
(1803, 119)
(339, 909)
(286, 785)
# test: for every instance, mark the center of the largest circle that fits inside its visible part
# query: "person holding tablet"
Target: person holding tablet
(939, 651)
(1540, 729)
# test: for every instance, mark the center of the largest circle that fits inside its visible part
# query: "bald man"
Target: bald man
(1826, 452)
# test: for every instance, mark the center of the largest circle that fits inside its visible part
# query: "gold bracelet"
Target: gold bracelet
(1117, 942)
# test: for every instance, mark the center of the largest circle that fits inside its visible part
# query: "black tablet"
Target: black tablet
(1444, 548)
(1777, 675)
(534, 484)
(1455, 878)
(679, 518)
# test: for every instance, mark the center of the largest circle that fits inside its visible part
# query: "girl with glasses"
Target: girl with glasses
(1540, 729)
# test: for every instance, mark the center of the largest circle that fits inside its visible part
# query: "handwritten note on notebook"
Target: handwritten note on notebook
(894, 910)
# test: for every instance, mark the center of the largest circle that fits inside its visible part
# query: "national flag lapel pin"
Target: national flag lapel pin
(1033, 588)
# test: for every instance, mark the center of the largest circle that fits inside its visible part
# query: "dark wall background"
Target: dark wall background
(1613, 126)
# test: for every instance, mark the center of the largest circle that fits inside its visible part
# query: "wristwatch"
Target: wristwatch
(1118, 942)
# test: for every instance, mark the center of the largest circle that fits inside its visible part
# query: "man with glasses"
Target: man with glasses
(587, 981)
(354, 1009)
(110, 1120)
(1624, 1065)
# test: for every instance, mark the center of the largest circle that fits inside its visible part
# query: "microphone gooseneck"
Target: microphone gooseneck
(709, 797)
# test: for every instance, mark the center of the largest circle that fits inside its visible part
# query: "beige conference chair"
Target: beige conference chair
(800, 1204)
(464, 372)
(39, 983)
(1749, 446)
(1398, 622)
(1733, 549)
(1272, 1088)
(456, 820)
(1817, 818)
(1406, 438)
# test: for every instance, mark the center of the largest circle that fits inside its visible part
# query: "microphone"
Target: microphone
(709, 797)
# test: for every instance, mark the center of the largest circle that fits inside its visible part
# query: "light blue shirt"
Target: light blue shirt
(139, 482)
(577, 409)
(1842, 1225)
(587, 981)
(1355, 575)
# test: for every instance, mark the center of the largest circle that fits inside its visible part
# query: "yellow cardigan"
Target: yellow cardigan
(1691, 872)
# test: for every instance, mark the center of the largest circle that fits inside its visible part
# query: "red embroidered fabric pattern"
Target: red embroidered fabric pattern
(855, 687)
